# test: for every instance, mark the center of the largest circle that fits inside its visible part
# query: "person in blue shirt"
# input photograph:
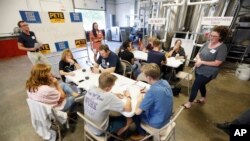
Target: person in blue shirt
(27, 41)
(155, 109)
(108, 60)
(156, 56)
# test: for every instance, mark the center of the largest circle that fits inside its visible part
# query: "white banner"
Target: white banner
(156, 21)
(225, 21)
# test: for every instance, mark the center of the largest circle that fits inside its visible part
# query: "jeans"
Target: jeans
(70, 100)
(67, 89)
(199, 84)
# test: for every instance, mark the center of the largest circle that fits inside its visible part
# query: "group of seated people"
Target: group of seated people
(155, 54)
(154, 106)
(155, 109)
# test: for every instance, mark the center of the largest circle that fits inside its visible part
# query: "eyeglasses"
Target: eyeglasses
(213, 36)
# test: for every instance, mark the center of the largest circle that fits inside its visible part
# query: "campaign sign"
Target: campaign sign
(80, 43)
(45, 49)
(60, 46)
(56, 17)
(75, 17)
(30, 16)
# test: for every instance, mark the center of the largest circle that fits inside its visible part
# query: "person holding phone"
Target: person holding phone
(27, 41)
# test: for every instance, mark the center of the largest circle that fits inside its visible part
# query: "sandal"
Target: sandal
(200, 101)
(186, 106)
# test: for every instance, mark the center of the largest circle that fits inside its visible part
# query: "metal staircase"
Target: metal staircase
(239, 47)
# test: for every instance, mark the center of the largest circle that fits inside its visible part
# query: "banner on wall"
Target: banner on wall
(75, 17)
(45, 49)
(80, 43)
(156, 21)
(224, 21)
(56, 17)
(60, 46)
(30, 16)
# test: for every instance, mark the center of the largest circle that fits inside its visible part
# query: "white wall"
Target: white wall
(110, 10)
(124, 11)
(89, 4)
(9, 10)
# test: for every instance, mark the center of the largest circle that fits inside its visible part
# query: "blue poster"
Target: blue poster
(30, 16)
(60, 46)
(75, 17)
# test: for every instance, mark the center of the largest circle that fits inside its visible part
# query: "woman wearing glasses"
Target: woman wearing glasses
(208, 62)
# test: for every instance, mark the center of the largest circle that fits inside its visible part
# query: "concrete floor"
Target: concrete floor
(227, 98)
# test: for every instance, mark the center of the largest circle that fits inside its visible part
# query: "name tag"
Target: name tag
(213, 51)
(33, 37)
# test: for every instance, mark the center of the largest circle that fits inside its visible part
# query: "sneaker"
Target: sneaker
(224, 126)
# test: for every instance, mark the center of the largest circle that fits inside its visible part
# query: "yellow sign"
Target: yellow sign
(45, 49)
(80, 43)
(56, 17)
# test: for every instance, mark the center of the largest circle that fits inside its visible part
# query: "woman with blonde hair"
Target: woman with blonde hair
(67, 64)
(43, 87)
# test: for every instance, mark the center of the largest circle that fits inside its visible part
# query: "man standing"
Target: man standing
(27, 41)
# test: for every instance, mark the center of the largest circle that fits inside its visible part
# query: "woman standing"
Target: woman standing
(67, 64)
(96, 38)
(43, 87)
(208, 62)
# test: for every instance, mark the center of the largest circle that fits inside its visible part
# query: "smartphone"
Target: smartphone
(81, 81)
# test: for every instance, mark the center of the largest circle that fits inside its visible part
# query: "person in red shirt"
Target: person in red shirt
(96, 38)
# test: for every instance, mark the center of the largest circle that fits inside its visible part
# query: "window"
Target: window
(90, 16)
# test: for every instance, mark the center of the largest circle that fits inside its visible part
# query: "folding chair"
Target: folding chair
(186, 76)
(44, 118)
(166, 133)
(91, 136)
(126, 65)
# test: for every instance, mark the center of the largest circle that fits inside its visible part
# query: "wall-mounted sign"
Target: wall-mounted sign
(80, 43)
(60, 46)
(156, 21)
(225, 21)
(30, 16)
(76, 17)
(45, 49)
(56, 17)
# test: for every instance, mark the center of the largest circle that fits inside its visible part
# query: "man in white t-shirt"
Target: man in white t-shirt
(99, 102)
